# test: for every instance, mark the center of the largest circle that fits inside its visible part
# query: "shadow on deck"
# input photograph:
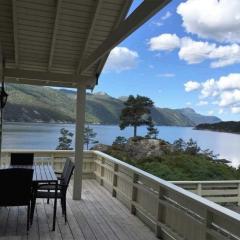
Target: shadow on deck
(98, 216)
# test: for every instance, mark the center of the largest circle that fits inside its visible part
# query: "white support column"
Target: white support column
(79, 142)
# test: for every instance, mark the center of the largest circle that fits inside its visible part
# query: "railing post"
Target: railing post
(161, 213)
(238, 194)
(102, 171)
(53, 160)
(115, 178)
(208, 224)
(134, 193)
(199, 189)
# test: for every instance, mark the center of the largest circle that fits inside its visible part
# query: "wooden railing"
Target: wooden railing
(216, 191)
(171, 211)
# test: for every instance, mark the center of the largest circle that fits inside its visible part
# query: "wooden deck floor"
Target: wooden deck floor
(97, 216)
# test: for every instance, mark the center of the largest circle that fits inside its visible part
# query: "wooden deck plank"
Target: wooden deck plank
(105, 226)
(81, 220)
(55, 235)
(98, 216)
(4, 217)
(73, 225)
(133, 227)
(11, 228)
(114, 225)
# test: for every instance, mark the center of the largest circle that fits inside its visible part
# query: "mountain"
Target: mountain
(197, 118)
(44, 104)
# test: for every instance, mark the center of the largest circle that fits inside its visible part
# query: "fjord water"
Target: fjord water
(45, 136)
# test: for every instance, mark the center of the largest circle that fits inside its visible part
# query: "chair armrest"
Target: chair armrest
(58, 173)
(46, 185)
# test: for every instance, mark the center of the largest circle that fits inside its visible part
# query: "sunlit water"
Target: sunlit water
(45, 136)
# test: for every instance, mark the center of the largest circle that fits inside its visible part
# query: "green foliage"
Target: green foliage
(119, 140)
(230, 126)
(65, 140)
(186, 163)
(136, 112)
(152, 131)
(191, 147)
(89, 136)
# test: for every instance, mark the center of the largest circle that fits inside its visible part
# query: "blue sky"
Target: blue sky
(187, 55)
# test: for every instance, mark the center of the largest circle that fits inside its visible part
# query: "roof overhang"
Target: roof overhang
(65, 42)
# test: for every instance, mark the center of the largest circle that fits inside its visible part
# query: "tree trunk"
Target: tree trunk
(135, 131)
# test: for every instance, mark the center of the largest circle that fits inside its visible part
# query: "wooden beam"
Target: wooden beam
(15, 34)
(90, 32)
(58, 7)
(1, 62)
(137, 18)
(47, 78)
(122, 15)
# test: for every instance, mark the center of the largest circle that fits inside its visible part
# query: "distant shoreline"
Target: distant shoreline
(225, 127)
(95, 124)
(219, 131)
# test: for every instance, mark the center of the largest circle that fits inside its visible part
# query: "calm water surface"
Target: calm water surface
(45, 136)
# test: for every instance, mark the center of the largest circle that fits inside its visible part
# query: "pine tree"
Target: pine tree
(89, 136)
(152, 130)
(136, 112)
(65, 140)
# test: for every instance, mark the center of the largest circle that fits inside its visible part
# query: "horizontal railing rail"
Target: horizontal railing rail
(170, 210)
(227, 191)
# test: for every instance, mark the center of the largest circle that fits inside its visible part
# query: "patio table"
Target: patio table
(42, 174)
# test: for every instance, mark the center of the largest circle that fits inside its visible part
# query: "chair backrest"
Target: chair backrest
(68, 174)
(15, 186)
(22, 158)
(65, 168)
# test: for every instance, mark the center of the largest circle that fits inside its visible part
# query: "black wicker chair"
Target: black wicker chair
(22, 158)
(15, 188)
(61, 175)
(47, 191)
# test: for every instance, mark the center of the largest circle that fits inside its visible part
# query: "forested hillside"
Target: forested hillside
(44, 104)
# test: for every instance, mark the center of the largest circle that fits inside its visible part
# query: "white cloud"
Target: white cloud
(166, 75)
(166, 16)
(210, 113)
(121, 59)
(229, 98)
(232, 81)
(202, 103)
(212, 19)
(188, 103)
(235, 109)
(221, 111)
(209, 88)
(162, 19)
(194, 52)
(191, 86)
(223, 92)
(225, 55)
(164, 42)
